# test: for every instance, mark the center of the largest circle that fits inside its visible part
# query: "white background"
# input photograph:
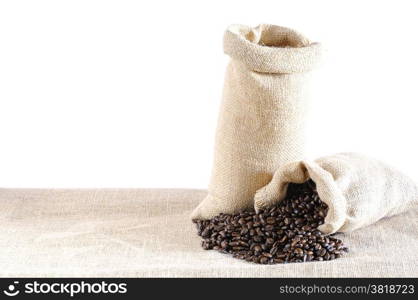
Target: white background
(126, 93)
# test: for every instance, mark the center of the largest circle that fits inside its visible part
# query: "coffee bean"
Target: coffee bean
(224, 244)
(299, 221)
(286, 232)
(259, 232)
(206, 232)
(270, 241)
(229, 227)
(274, 250)
(263, 260)
(257, 239)
(269, 227)
(283, 239)
(298, 252)
(271, 220)
(242, 243)
(237, 248)
(257, 248)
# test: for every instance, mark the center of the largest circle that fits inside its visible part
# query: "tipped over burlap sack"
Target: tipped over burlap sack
(358, 190)
(261, 121)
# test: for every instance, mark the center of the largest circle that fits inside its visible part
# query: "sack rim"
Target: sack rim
(242, 43)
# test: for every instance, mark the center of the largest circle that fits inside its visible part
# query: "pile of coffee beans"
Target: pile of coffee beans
(286, 232)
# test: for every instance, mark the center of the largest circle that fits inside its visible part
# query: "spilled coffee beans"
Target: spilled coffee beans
(283, 233)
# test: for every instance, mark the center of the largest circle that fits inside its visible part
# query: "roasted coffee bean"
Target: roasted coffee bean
(274, 250)
(298, 252)
(242, 243)
(283, 239)
(206, 232)
(224, 244)
(269, 227)
(299, 221)
(270, 241)
(263, 260)
(238, 248)
(286, 232)
(271, 220)
(257, 248)
(257, 238)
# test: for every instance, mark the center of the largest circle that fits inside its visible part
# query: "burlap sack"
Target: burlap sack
(261, 122)
(358, 190)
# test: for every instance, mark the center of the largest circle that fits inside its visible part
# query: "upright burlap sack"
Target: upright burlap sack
(358, 190)
(261, 121)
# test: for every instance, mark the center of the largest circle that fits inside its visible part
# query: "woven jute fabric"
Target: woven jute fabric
(262, 117)
(358, 190)
(147, 233)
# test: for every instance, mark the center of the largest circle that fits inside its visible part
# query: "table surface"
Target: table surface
(148, 233)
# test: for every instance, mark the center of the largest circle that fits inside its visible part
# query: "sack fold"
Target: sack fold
(358, 190)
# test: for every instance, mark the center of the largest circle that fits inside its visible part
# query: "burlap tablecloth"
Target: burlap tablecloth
(147, 233)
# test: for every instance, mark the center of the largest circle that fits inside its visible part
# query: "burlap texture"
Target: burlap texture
(358, 190)
(147, 233)
(262, 115)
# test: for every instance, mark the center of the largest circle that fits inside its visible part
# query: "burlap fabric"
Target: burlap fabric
(147, 233)
(262, 116)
